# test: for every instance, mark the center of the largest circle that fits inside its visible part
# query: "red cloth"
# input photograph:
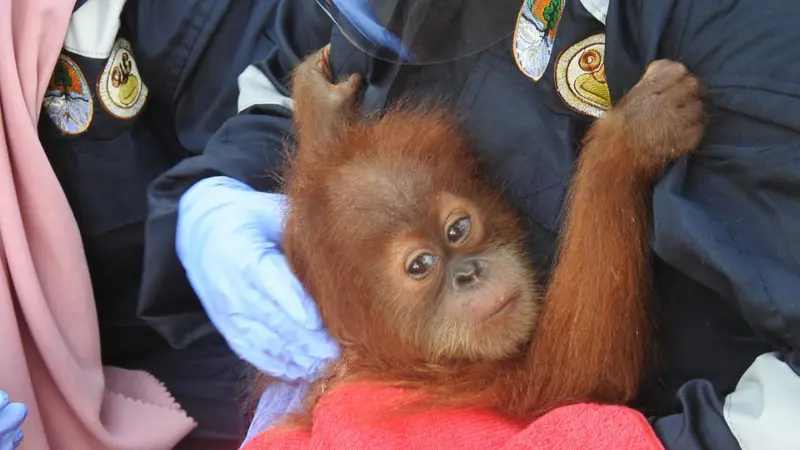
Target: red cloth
(339, 424)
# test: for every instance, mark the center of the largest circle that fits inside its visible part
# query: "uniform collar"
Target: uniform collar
(93, 28)
(597, 8)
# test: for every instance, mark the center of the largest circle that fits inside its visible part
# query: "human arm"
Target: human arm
(216, 77)
(726, 218)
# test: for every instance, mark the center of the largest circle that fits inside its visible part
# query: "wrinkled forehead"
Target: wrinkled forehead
(383, 200)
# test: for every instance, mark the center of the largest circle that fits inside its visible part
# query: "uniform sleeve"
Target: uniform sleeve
(727, 217)
(762, 412)
(218, 72)
(700, 424)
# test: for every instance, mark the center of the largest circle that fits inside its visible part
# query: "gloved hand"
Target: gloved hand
(228, 238)
(11, 417)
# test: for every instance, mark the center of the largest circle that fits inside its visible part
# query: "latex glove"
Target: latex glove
(228, 239)
(278, 399)
(11, 417)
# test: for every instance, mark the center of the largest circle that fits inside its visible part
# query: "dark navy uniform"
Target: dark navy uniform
(726, 245)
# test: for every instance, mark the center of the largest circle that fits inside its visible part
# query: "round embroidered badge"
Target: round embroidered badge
(580, 76)
(68, 101)
(120, 87)
(534, 34)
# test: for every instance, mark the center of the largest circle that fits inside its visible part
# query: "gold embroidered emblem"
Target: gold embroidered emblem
(67, 100)
(534, 35)
(120, 87)
(580, 76)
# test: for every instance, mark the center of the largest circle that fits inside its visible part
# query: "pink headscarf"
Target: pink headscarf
(50, 357)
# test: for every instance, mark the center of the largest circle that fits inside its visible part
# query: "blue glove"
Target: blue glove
(278, 399)
(228, 238)
(11, 417)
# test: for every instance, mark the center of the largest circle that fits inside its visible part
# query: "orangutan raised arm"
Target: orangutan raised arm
(594, 333)
(419, 267)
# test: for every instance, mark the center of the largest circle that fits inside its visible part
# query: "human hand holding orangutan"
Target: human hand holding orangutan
(418, 266)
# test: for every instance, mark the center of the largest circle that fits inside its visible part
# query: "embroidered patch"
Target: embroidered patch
(68, 101)
(580, 76)
(534, 35)
(120, 87)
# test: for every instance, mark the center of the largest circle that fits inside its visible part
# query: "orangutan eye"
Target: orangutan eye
(421, 265)
(459, 230)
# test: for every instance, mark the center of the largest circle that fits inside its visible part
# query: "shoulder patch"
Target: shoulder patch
(534, 35)
(580, 76)
(68, 100)
(120, 87)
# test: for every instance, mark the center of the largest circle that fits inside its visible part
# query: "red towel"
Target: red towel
(341, 421)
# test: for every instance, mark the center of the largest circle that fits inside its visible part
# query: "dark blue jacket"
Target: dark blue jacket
(726, 244)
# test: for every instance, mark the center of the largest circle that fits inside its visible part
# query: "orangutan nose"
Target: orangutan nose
(467, 273)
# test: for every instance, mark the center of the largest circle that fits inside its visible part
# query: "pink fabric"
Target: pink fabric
(349, 417)
(50, 357)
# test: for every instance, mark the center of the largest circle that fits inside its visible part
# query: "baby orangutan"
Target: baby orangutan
(419, 268)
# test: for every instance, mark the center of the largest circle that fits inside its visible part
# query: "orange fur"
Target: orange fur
(593, 335)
